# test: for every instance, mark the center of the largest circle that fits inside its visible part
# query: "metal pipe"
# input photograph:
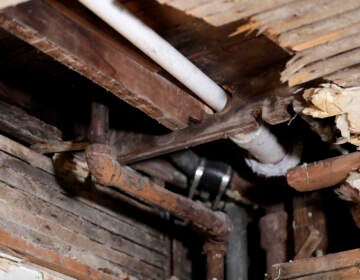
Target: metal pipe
(107, 171)
(215, 254)
(322, 174)
(99, 123)
(237, 255)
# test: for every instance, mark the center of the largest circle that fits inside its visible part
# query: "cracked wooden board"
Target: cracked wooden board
(323, 35)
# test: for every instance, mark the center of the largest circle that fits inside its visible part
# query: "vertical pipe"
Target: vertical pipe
(215, 253)
(237, 254)
(99, 125)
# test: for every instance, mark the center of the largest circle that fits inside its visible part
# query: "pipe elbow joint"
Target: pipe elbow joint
(102, 164)
(220, 232)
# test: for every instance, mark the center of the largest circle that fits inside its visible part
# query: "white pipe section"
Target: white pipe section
(159, 50)
(261, 143)
(269, 157)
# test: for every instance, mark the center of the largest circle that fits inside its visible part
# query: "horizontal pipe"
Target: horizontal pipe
(262, 144)
(159, 50)
(107, 171)
(322, 174)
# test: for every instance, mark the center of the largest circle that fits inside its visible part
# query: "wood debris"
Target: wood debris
(331, 100)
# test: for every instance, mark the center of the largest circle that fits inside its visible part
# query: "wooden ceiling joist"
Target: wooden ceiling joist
(77, 39)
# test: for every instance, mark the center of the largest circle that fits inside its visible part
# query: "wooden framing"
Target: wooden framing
(69, 36)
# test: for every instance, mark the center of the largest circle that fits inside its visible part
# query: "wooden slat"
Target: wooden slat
(78, 171)
(110, 62)
(46, 187)
(352, 273)
(318, 53)
(50, 259)
(329, 9)
(320, 32)
(29, 129)
(346, 78)
(325, 67)
(316, 265)
(75, 245)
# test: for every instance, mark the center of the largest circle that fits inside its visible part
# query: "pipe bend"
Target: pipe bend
(102, 164)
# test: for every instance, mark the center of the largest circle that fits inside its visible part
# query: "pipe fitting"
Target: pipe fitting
(102, 164)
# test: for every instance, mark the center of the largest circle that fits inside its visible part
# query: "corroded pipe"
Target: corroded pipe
(322, 174)
(107, 171)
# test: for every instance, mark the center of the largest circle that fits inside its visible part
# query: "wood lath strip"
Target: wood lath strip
(325, 67)
(349, 77)
(321, 52)
(303, 36)
(313, 30)
(328, 9)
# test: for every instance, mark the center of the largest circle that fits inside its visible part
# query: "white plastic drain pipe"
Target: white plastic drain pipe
(261, 144)
(159, 50)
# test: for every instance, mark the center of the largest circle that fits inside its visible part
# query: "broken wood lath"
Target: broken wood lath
(323, 35)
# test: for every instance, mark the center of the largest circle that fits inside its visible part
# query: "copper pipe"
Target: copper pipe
(322, 174)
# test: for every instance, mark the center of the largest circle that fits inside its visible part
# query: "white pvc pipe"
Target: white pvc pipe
(263, 145)
(159, 50)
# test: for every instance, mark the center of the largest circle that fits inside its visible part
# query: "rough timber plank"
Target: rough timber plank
(110, 62)
(29, 129)
(331, 262)
(50, 259)
(76, 169)
(20, 175)
(75, 245)
(59, 223)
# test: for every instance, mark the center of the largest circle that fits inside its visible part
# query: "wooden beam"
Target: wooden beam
(68, 33)
(324, 173)
(131, 148)
(328, 263)
(239, 117)
(18, 123)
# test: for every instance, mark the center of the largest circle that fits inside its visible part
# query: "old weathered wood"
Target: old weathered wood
(16, 122)
(322, 174)
(352, 273)
(37, 201)
(14, 96)
(46, 187)
(239, 118)
(325, 67)
(50, 259)
(64, 237)
(274, 236)
(318, 53)
(331, 262)
(110, 62)
(349, 77)
(309, 226)
(59, 147)
(74, 170)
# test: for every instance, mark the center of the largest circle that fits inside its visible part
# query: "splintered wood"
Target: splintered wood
(331, 100)
(324, 35)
